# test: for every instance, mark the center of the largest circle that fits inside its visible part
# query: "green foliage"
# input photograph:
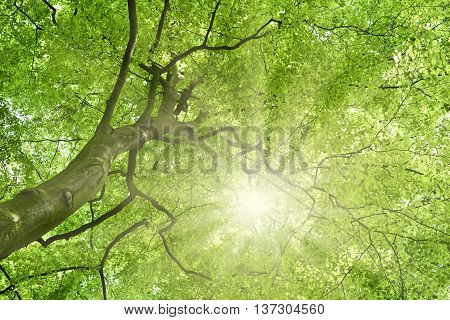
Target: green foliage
(352, 96)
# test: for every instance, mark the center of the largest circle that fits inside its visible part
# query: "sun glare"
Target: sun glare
(253, 202)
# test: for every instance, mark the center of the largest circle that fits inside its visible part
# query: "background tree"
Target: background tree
(125, 173)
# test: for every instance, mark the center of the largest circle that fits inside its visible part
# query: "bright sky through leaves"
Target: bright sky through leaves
(257, 149)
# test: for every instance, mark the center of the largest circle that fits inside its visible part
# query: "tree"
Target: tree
(349, 97)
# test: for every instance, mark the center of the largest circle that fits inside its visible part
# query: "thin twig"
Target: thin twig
(12, 285)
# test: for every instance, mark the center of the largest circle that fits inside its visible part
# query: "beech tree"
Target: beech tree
(220, 149)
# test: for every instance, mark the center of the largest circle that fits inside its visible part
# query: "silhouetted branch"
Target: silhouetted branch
(8, 288)
(349, 270)
(184, 98)
(400, 271)
(416, 220)
(48, 273)
(109, 248)
(211, 22)
(91, 208)
(87, 226)
(11, 286)
(36, 25)
(204, 46)
(48, 4)
(146, 115)
(356, 29)
(53, 140)
(368, 146)
(5, 191)
(115, 94)
(167, 228)
(133, 188)
(160, 26)
(385, 87)
(414, 171)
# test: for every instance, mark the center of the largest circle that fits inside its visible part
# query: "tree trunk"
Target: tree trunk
(34, 212)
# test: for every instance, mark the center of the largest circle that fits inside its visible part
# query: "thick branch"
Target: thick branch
(213, 16)
(91, 208)
(184, 97)
(132, 161)
(8, 288)
(114, 98)
(92, 224)
(146, 116)
(170, 95)
(204, 46)
(160, 26)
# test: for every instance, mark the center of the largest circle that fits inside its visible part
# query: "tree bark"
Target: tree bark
(34, 212)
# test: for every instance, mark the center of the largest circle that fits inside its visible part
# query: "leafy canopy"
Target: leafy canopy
(348, 98)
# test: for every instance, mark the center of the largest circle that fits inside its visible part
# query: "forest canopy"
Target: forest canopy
(226, 149)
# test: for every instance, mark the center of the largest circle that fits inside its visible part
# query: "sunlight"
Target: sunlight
(254, 202)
